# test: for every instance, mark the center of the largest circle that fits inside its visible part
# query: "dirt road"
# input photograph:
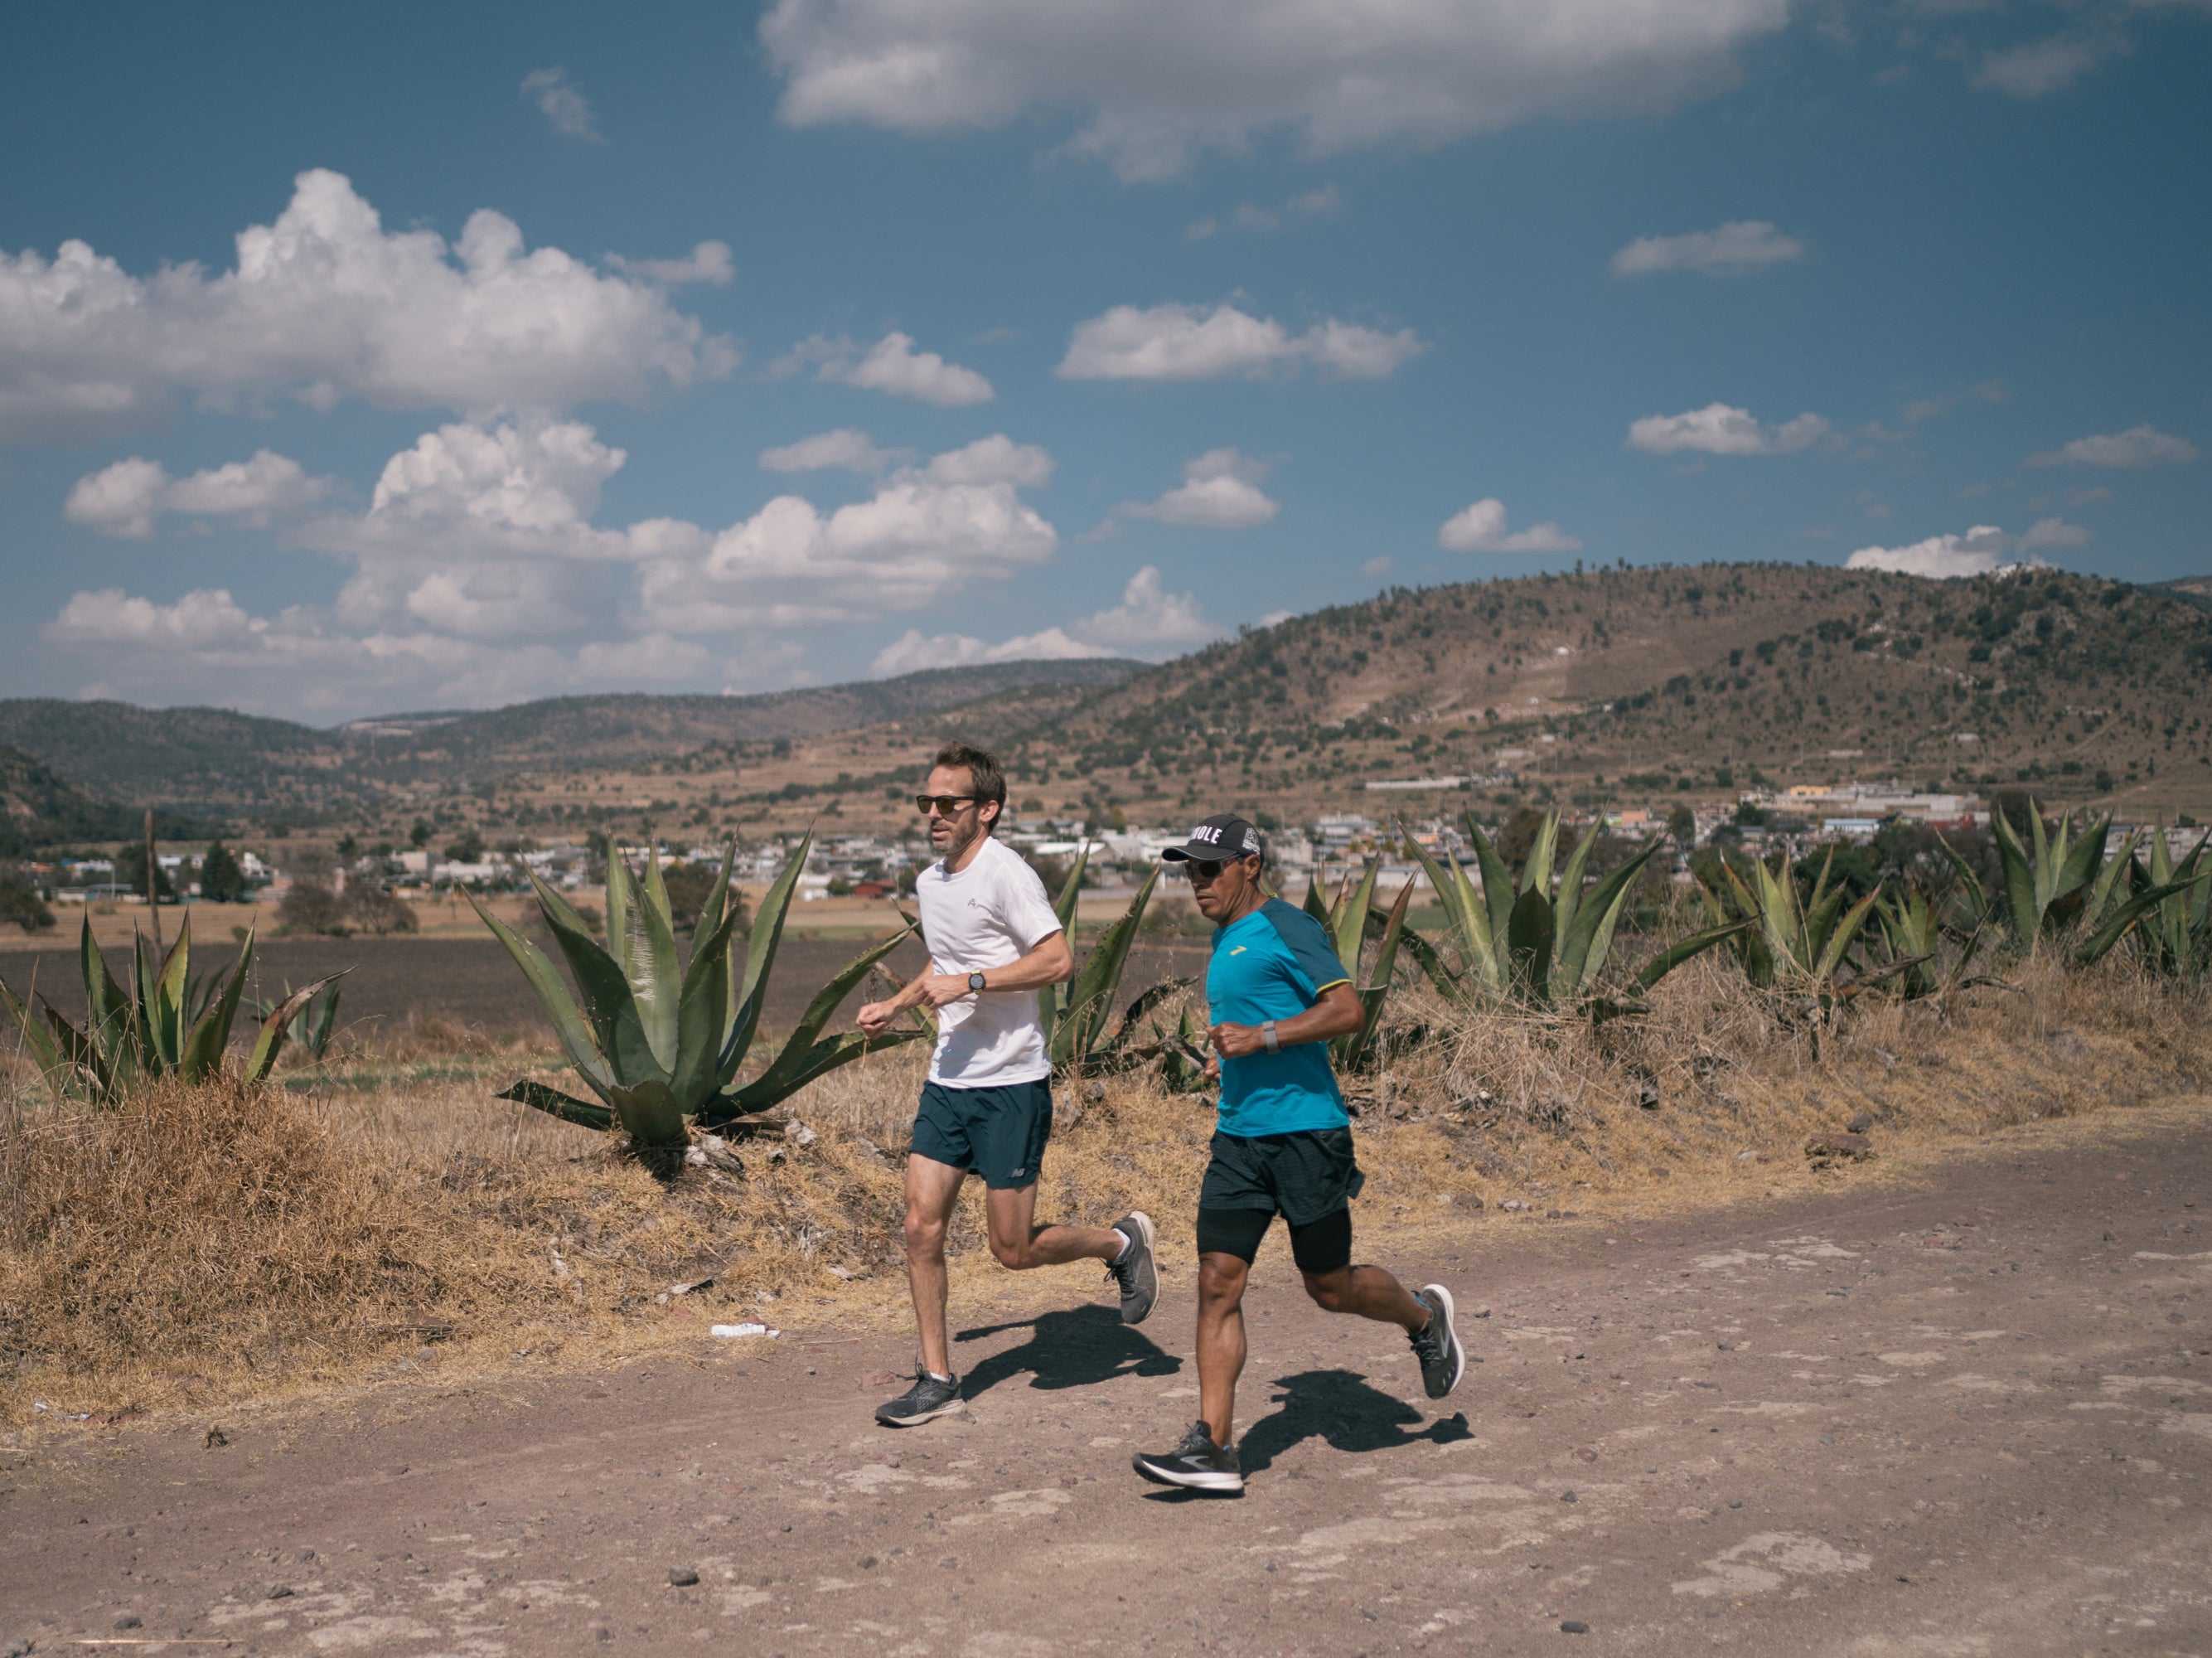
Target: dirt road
(1970, 1418)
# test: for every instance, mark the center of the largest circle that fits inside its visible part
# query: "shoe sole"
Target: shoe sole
(1222, 1485)
(1458, 1353)
(944, 1410)
(1150, 1287)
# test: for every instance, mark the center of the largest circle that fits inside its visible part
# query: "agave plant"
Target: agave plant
(661, 1043)
(2168, 911)
(2050, 886)
(1534, 945)
(1912, 937)
(2066, 883)
(315, 1023)
(1797, 944)
(153, 1030)
(1349, 920)
(1076, 1013)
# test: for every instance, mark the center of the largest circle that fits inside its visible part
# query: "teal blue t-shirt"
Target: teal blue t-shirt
(1274, 963)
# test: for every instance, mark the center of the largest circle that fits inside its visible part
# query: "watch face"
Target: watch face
(974, 981)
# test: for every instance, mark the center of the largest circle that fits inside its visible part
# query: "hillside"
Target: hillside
(38, 808)
(272, 770)
(1625, 682)
(621, 729)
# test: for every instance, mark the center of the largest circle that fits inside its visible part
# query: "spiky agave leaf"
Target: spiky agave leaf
(568, 1020)
(1585, 929)
(702, 1011)
(617, 1031)
(1529, 932)
(802, 1056)
(210, 1037)
(1347, 916)
(1351, 1050)
(554, 1103)
(59, 1075)
(1098, 981)
(271, 1042)
(1052, 1003)
(749, 994)
(646, 953)
(2116, 927)
(1465, 917)
(1695, 944)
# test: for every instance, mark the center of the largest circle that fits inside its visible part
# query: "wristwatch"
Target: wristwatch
(1269, 1040)
(975, 982)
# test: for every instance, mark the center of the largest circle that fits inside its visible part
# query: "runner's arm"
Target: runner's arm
(1336, 1012)
(1050, 962)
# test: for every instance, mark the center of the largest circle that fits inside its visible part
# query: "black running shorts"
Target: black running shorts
(1308, 1178)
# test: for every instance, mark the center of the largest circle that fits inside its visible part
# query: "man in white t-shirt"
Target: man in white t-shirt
(994, 942)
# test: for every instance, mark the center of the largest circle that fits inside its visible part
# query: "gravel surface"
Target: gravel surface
(1966, 1419)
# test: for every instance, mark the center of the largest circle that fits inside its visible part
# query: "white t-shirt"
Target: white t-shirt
(991, 914)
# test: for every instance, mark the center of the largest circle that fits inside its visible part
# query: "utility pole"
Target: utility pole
(153, 883)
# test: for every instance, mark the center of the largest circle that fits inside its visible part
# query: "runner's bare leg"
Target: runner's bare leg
(1221, 1280)
(1019, 1242)
(932, 1190)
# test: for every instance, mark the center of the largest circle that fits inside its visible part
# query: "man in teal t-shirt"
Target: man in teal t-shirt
(1275, 994)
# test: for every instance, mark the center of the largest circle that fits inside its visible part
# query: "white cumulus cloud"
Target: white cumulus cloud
(2034, 69)
(1186, 342)
(1220, 490)
(891, 366)
(709, 262)
(479, 574)
(126, 498)
(1734, 249)
(1981, 551)
(1307, 204)
(324, 304)
(1722, 428)
(2054, 532)
(844, 450)
(1481, 528)
(1149, 622)
(1154, 82)
(2132, 450)
(561, 102)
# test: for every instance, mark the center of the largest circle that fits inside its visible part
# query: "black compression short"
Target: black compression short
(1319, 1246)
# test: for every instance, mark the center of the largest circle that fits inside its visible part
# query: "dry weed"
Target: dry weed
(232, 1242)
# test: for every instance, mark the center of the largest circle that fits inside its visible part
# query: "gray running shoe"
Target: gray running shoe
(1198, 1465)
(1444, 1361)
(1139, 1278)
(930, 1396)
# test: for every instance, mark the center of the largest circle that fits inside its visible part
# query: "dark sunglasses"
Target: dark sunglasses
(944, 805)
(1203, 870)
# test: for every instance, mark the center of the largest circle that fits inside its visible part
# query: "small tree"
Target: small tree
(20, 902)
(469, 849)
(221, 880)
(312, 905)
(130, 870)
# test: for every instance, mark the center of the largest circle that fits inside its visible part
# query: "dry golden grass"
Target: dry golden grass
(216, 1245)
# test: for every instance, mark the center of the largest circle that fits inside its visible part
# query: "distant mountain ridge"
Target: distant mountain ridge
(216, 757)
(39, 809)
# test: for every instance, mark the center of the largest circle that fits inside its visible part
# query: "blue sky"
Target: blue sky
(396, 358)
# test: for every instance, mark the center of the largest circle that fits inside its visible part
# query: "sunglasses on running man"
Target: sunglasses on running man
(1202, 870)
(944, 805)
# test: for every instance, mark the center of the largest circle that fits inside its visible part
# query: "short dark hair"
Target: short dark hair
(986, 780)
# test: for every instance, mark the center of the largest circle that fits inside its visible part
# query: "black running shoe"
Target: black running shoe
(1198, 1465)
(1139, 1278)
(930, 1396)
(1444, 1361)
